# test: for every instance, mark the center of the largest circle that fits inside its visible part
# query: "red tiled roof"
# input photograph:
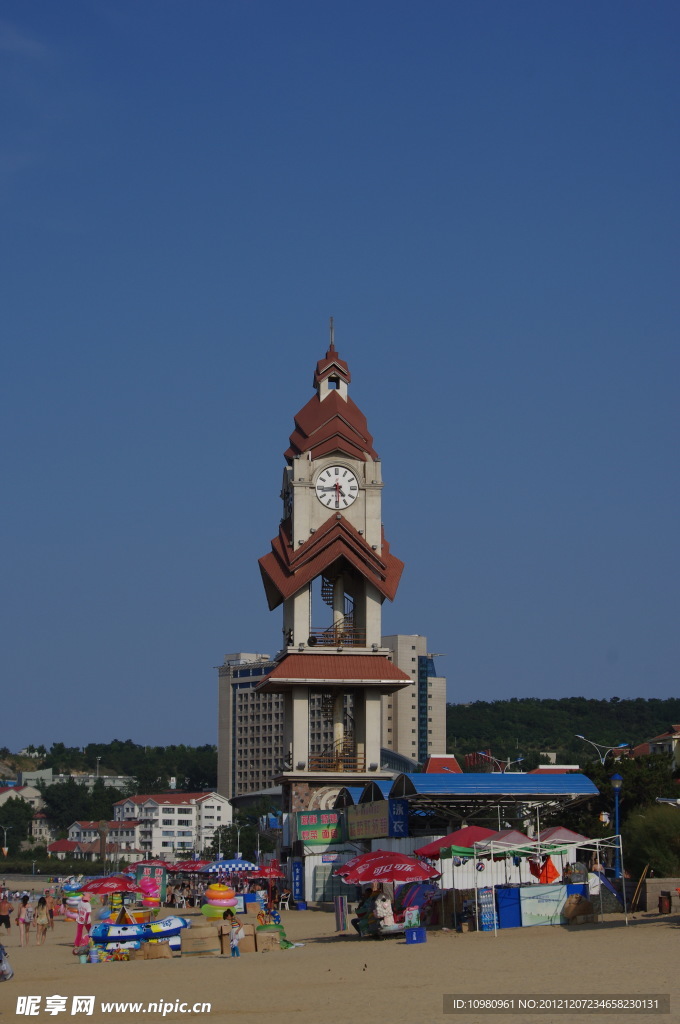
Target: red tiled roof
(352, 668)
(286, 570)
(333, 424)
(550, 771)
(63, 846)
(332, 365)
(439, 762)
(165, 798)
(671, 733)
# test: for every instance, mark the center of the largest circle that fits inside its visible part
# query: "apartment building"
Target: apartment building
(414, 718)
(174, 825)
(250, 724)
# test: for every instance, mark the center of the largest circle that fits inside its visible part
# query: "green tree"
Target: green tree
(245, 834)
(66, 802)
(15, 816)
(652, 836)
(644, 779)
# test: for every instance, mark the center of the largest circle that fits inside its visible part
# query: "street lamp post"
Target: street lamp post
(483, 753)
(617, 782)
(5, 829)
(98, 760)
(601, 746)
(502, 765)
(238, 840)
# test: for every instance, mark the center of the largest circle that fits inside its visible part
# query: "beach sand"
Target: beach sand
(341, 979)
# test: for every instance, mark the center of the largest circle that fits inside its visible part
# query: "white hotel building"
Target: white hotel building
(173, 825)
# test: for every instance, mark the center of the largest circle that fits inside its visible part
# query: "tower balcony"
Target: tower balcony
(341, 757)
(340, 634)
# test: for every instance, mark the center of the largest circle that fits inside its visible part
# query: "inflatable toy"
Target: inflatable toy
(169, 927)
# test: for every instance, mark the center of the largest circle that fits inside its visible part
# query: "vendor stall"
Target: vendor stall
(547, 899)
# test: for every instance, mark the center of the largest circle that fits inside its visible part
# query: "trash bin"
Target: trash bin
(665, 903)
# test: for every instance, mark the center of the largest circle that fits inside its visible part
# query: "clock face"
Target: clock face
(337, 487)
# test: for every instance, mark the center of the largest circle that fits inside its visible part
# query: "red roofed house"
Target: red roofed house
(173, 825)
(665, 743)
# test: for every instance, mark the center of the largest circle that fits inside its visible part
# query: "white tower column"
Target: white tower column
(300, 719)
(372, 733)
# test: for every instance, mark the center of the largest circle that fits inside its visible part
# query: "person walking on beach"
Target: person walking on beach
(23, 919)
(49, 900)
(83, 919)
(42, 921)
(6, 908)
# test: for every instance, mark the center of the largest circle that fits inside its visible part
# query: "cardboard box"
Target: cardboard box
(246, 945)
(157, 951)
(253, 908)
(201, 942)
(576, 906)
(268, 942)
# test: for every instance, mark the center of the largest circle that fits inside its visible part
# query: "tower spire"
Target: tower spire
(332, 330)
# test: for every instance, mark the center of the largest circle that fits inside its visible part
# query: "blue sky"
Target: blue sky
(483, 195)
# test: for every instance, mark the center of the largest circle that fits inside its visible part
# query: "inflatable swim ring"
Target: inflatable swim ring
(209, 911)
(221, 891)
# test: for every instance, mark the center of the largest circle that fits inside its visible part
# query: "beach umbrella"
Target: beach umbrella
(387, 866)
(105, 886)
(152, 864)
(267, 871)
(191, 865)
(228, 866)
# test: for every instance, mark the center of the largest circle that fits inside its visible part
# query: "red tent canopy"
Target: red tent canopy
(464, 837)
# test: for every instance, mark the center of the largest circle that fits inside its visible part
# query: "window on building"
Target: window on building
(167, 821)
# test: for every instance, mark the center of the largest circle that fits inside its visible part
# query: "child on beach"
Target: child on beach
(235, 936)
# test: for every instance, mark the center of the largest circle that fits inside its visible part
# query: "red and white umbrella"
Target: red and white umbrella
(386, 866)
(151, 864)
(191, 865)
(266, 871)
(105, 886)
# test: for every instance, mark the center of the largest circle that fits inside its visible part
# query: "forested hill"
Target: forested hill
(523, 727)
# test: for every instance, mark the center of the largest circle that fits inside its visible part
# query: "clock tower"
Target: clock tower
(330, 568)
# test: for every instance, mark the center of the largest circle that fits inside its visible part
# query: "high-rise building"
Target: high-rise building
(414, 719)
(250, 723)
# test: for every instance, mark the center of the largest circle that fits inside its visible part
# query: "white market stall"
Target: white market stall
(550, 911)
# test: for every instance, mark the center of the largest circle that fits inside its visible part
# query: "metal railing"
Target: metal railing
(338, 635)
(329, 761)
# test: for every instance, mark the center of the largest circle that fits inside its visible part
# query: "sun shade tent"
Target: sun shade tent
(457, 844)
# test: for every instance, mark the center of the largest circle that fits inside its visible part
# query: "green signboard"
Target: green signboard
(320, 828)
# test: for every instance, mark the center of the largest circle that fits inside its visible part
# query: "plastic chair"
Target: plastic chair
(284, 902)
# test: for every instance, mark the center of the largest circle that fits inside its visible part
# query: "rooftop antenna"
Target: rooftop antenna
(332, 329)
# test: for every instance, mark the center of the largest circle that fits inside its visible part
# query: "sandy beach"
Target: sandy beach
(342, 979)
